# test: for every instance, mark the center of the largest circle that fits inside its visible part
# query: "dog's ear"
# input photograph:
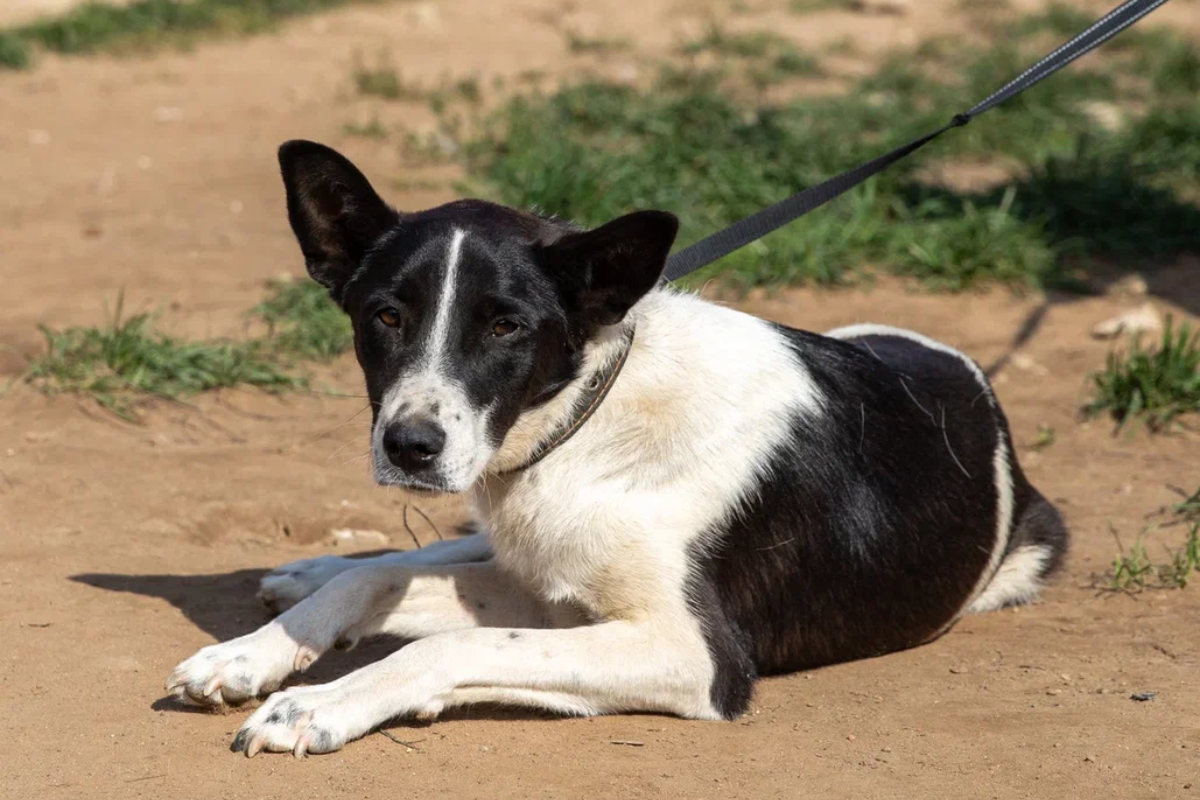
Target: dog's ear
(608, 269)
(334, 212)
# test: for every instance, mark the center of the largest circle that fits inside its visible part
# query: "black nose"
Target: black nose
(415, 444)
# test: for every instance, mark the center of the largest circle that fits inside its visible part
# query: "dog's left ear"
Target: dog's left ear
(608, 269)
(335, 213)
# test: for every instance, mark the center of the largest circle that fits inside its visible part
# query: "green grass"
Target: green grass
(373, 129)
(148, 24)
(128, 360)
(579, 43)
(14, 51)
(303, 322)
(697, 144)
(1156, 385)
(382, 79)
(1133, 570)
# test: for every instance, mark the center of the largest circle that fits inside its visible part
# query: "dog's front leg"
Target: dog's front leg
(602, 668)
(284, 587)
(409, 602)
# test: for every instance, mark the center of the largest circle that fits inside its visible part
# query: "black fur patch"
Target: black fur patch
(729, 646)
(872, 524)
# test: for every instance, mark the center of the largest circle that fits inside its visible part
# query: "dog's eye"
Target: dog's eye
(389, 317)
(504, 327)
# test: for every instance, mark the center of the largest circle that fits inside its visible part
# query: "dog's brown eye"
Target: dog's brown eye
(504, 327)
(389, 317)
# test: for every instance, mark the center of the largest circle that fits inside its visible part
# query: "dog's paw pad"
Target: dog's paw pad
(297, 721)
(286, 586)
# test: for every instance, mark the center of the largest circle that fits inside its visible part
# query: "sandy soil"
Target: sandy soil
(124, 548)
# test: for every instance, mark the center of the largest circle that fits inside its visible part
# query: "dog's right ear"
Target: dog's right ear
(334, 212)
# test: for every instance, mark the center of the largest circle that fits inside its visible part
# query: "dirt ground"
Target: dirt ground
(124, 548)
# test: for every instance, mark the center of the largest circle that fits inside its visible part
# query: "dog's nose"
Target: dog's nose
(415, 444)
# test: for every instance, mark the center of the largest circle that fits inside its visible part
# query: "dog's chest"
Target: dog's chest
(597, 555)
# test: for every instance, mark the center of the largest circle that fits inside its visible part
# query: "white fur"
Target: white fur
(1017, 581)
(1002, 470)
(660, 462)
(435, 355)
(428, 391)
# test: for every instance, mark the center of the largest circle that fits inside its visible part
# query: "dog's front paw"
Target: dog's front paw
(308, 719)
(235, 671)
(285, 586)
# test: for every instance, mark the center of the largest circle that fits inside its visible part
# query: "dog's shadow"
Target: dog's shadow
(224, 606)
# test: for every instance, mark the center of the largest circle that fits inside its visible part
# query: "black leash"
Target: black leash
(758, 225)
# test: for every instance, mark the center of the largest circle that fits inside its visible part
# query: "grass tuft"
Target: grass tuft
(1134, 571)
(383, 80)
(304, 323)
(373, 129)
(1155, 385)
(149, 24)
(580, 43)
(14, 52)
(127, 360)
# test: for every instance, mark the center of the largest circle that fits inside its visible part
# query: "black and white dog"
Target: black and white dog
(675, 497)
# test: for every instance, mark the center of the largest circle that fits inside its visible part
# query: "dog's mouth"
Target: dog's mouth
(412, 485)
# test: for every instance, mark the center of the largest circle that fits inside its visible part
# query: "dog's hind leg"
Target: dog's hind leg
(286, 586)
(404, 601)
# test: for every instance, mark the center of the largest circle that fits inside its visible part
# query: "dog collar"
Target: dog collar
(593, 395)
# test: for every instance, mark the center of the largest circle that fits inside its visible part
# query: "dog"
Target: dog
(675, 498)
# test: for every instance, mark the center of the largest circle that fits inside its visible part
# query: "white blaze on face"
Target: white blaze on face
(427, 391)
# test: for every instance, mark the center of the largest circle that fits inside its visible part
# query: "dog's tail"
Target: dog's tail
(1036, 550)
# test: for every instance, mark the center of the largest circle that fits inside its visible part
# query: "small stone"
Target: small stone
(958, 670)
(1022, 361)
(164, 114)
(1054, 692)
(483, 748)
(350, 536)
(851, 738)
(1143, 319)
(1089, 759)
(1107, 115)
(1142, 697)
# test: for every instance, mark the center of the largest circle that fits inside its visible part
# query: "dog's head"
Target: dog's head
(466, 315)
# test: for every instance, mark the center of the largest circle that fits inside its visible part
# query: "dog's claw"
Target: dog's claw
(212, 686)
(301, 747)
(255, 747)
